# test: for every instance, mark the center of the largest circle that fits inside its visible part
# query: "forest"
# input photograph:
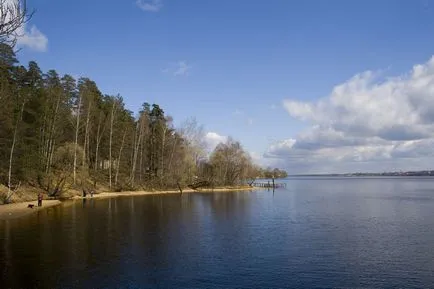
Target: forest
(59, 133)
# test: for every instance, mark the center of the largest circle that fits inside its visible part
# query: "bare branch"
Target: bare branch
(13, 15)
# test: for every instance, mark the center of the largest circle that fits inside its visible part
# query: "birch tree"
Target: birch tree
(77, 114)
(112, 119)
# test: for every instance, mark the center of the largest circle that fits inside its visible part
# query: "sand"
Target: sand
(18, 210)
(142, 193)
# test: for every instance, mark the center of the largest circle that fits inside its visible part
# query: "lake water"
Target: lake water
(318, 232)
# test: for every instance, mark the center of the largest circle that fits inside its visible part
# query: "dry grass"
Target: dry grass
(23, 194)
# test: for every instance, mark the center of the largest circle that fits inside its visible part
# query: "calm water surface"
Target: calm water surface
(319, 232)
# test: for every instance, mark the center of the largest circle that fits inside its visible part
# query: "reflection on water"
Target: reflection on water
(317, 233)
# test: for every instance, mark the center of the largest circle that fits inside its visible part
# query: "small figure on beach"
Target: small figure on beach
(91, 193)
(40, 197)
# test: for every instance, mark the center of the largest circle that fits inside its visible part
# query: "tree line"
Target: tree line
(270, 173)
(57, 132)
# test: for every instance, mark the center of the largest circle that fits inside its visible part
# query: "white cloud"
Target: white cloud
(249, 121)
(213, 139)
(238, 112)
(366, 123)
(150, 6)
(181, 68)
(33, 38)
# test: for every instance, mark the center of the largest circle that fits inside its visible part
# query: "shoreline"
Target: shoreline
(103, 195)
(18, 210)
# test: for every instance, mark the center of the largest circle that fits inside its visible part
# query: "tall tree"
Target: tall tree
(77, 113)
(231, 162)
(142, 126)
(115, 104)
(194, 137)
(19, 100)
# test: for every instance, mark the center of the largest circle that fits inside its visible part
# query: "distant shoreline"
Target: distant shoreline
(21, 209)
(386, 174)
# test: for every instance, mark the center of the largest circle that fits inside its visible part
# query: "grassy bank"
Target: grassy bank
(21, 209)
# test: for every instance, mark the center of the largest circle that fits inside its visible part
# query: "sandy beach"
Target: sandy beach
(142, 193)
(17, 210)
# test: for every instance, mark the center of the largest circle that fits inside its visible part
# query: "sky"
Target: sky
(308, 86)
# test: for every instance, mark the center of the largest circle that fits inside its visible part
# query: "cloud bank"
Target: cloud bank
(368, 123)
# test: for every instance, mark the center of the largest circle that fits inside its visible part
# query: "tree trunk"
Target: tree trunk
(110, 143)
(86, 134)
(43, 146)
(14, 140)
(50, 151)
(141, 162)
(136, 150)
(76, 140)
(99, 136)
(133, 154)
(163, 145)
(119, 157)
(169, 168)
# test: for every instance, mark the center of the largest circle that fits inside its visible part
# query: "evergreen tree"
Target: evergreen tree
(57, 133)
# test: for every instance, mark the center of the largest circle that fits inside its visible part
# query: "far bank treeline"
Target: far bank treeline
(58, 133)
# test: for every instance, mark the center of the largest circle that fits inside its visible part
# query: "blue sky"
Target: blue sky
(247, 68)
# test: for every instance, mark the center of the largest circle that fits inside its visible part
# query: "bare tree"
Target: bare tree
(99, 135)
(140, 128)
(77, 127)
(86, 132)
(119, 157)
(194, 137)
(10, 192)
(112, 119)
(13, 15)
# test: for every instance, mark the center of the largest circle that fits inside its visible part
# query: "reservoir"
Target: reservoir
(317, 232)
